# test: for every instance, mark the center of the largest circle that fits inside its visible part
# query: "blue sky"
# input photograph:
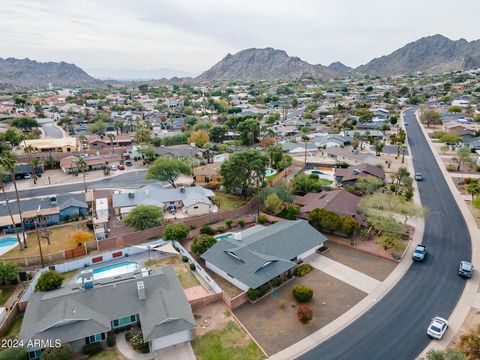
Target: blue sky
(192, 35)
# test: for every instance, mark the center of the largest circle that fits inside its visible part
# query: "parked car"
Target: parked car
(113, 168)
(419, 253)
(465, 269)
(418, 176)
(121, 167)
(128, 163)
(437, 328)
(27, 176)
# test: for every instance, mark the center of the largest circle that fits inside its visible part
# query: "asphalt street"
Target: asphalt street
(395, 328)
(50, 129)
(127, 180)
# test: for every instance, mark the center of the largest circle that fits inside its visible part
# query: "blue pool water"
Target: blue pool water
(224, 236)
(9, 241)
(112, 270)
(270, 171)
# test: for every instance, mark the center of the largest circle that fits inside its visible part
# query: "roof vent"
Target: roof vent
(141, 290)
(131, 195)
(356, 172)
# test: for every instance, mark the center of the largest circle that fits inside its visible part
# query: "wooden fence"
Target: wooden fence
(204, 301)
(235, 302)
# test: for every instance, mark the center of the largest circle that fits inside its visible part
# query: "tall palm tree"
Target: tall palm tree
(28, 149)
(111, 137)
(81, 166)
(9, 162)
(83, 140)
(14, 224)
(35, 162)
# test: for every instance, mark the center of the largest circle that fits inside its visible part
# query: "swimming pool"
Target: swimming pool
(8, 241)
(223, 236)
(112, 270)
(270, 171)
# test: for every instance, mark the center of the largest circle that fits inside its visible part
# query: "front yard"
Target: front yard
(231, 343)
(273, 320)
(59, 240)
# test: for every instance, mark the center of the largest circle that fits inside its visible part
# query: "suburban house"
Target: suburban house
(181, 201)
(350, 156)
(49, 211)
(348, 176)
(331, 141)
(153, 300)
(207, 173)
(94, 162)
(100, 142)
(257, 255)
(341, 202)
(296, 148)
(66, 144)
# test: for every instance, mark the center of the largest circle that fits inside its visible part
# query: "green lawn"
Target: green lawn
(185, 275)
(229, 343)
(15, 328)
(108, 354)
(228, 201)
(5, 292)
(187, 278)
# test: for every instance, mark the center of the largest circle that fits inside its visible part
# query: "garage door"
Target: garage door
(170, 340)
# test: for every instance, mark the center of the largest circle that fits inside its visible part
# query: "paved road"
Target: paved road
(127, 180)
(51, 130)
(395, 328)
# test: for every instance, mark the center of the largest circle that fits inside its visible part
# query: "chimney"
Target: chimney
(141, 290)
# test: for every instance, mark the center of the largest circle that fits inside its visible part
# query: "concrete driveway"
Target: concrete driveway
(176, 352)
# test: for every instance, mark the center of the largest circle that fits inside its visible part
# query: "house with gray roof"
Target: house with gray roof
(253, 257)
(153, 300)
(187, 201)
(296, 148)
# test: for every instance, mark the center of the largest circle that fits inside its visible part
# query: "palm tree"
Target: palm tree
(81, 166)
(35, 162)
(9, 162)
(403, 147)
(14, 224)
(82, 139)
(472, 188)
(28, 149)
(111, 137)
(305, 138)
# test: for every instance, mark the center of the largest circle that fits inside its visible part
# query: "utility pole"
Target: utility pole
(258, 195)
(39, 243)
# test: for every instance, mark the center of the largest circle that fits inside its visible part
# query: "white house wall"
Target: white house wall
(227, 277)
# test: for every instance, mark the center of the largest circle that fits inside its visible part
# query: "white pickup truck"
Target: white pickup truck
(419, 253)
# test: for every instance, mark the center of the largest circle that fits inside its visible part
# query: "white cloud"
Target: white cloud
(192, 35)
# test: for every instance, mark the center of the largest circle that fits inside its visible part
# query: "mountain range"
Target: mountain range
(432, 54)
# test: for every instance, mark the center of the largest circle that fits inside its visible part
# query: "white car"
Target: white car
(437, 327)
(113, 168)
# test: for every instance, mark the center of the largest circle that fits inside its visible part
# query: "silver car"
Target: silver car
(437, 328)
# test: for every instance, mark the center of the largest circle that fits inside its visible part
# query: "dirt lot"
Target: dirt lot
(276, 328)
(470, 323)
(371, 265)
(212, 317)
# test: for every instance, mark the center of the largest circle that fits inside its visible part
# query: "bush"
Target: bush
(229, 223)
(92, 349)
(111, 341)
(221, 229)
(304, 314)
(13, 353)
(138, 344)
(302, 270)
(393, 187)
(177, 231)
(63, 352)
(262, 219)
(302, 293)
(49, 280)
(128, 336)
(192, 267)
(202, 243)
(241, 222)
(290, 212)
(207, 230)
(282, 303)
(8, 273)
(254, 294)
(89, 224)
(184, 258)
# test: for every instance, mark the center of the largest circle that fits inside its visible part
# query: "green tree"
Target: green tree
(450, 138)
(176, 231)
(243, 171)
(25, 124)
(464, 156)
(81, 166)
(249, 130)
(143, 135)
(166, 168)
(473, 188)
(97, 127)
(8, 272)
(49, 280)
(144, 217)
(470, 343)
(455, 109)
(63, 352)
(202, 243)
(308, 183)
(429, 117)
(217, 133)
(199, 138)
(324, 220)
(379, 145)
(273, 204)
(369, 184)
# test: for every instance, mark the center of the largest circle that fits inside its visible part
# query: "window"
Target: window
(195, 207)
(95, 338)
(124, 321)
(35, 354)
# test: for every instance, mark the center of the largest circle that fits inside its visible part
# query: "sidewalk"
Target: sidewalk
(128, 352)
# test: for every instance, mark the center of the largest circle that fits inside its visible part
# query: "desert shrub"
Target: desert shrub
(262, 219)
(393, 187)
(282, 303)
(192, 267)
(254, 294)
(63, 352)
(302, 270)
(304, 314)
(229, 223)
(221, 229)
(451, 167)
(207, 230)
(184, 258)
(111, 341)
(92, 349)
(49, 280)
(302, 293)
(241, 222)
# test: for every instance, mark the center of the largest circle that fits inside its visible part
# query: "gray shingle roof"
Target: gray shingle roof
(248, 259)
(76, 314)
(62, 201)
(157, 195)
